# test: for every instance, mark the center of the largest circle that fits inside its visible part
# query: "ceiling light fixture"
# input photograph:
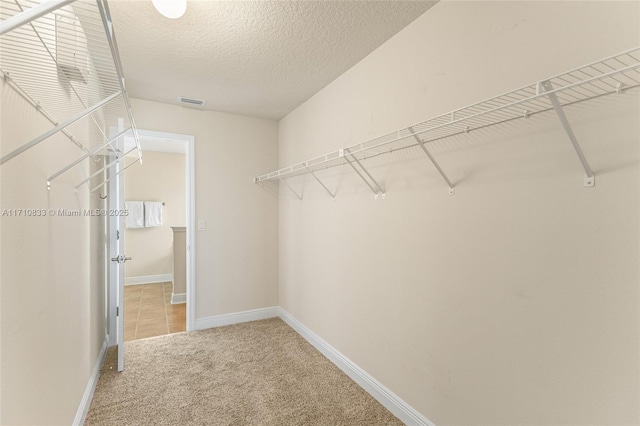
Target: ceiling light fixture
(172, 9)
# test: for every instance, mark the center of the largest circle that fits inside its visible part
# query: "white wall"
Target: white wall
(161, 177)
(53, 268)
(516, 300)
(236, 256)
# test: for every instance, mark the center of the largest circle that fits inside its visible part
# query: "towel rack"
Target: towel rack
(614, 74)
(69, 44)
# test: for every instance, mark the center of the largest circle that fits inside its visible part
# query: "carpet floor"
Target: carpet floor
(256, 373)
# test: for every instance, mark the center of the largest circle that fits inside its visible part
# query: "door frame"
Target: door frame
(114, 248)
(188, 142)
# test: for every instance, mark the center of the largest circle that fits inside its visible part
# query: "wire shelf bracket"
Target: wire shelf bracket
(298, 196)
(320, 182)
(452, 189)
(614, 74)
(546, 86)
(89, 154)
(94, 174)
(104, 182)
(56, 129)
(40, 108)
(373, 185)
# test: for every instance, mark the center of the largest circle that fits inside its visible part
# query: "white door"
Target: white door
(116, 256)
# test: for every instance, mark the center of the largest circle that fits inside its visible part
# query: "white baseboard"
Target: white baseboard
(148, 279)
(381, 393)
(391, 401)
(178, 298)
(85, 402)
(237, 317)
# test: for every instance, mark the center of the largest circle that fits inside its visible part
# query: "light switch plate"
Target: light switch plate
(202, 225)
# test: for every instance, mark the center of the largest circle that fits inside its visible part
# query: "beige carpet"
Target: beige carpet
(257, 373)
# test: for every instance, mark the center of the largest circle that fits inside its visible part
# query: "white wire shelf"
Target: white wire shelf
(613, 74)
(62, 57)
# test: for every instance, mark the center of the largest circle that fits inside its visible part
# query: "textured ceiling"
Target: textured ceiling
(257, 58)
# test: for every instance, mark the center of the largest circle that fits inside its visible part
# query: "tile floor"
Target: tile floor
(148, 311)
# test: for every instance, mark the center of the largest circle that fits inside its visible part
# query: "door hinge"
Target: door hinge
(117, 235)
(117, 311)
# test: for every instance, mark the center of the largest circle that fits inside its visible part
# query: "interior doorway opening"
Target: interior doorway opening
(159, 289)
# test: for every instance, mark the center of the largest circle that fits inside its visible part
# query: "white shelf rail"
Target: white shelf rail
(613, 74)
(62, 57)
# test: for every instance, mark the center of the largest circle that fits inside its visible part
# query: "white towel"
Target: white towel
(135, 218)
(152, 214)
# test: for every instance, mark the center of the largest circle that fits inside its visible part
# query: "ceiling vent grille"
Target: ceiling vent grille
(191, 102)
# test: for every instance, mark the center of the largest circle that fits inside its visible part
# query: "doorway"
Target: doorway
(145, 301)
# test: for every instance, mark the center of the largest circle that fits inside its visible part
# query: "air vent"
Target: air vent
(189, 101)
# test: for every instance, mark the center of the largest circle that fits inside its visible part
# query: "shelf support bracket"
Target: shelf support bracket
(40, 109)
(452, 190)
(375, 190)
(589, 178)
(104, 168)
(319, 181)
(58, 128)
(111, 177)
(299, 197)
(89, 154)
